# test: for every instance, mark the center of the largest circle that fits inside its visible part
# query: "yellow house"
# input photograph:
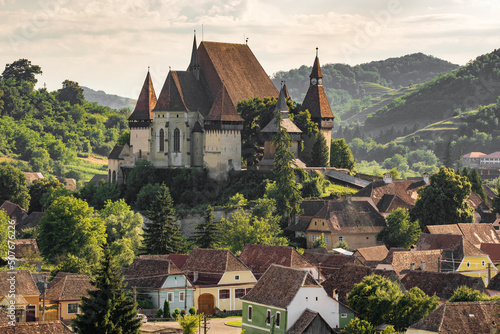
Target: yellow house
(62, 298)
(356, 222)
(459, 255)
(220, 280)
(19, 295)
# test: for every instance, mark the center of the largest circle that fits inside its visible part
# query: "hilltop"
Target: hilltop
(108, 100)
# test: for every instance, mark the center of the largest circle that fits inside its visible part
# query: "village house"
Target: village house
(220, 280)
(458, 255)
(281, 297)
(26, 294)
(63, 296)
(370, 256)
(404, 261)
(471, 317)
(327, 263)
(477, 234)
(157, 280)
(355, 222)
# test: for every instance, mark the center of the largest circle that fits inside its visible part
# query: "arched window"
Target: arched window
(162, 140)
(177, 140)
(109, 175)
(114, 176)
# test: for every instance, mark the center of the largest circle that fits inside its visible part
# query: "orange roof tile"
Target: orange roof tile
(145, 103)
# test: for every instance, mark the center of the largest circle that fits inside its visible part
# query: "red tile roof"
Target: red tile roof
(474, 155)
(477, 234)
(223, 108)
(304, 321)
(371, 255)
(26, 248)
(25, 285)
(401, 261)
(145, 103)
(14, 211)
(259, 258)
(493, 251)
(279, 285)
(328, 263)
(68, 287)
(474, 317)
(150, 272)
(316, 102)
(216, 261)
(46, 327)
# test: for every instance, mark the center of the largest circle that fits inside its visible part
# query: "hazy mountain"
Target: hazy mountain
(108, 100)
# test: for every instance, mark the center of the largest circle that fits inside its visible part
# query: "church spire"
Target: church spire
(194, 65)
(316, 76)
(281, 105)
(145, 103)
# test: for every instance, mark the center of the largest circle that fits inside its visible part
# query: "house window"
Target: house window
(468, 264)
(343, 315)
(177, 140)
(268, 318)
(181, 296)
(483, 263)
(278, 319)
(224, 294)
(236, 277)
(327, 239)
(341, 238)
(162, 140)
(249, 313)
(496, 227)
(170, 297)
(72, 308)
(240, 293)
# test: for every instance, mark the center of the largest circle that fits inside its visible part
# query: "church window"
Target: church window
(177, 140)
(162, 140)
(114, 176)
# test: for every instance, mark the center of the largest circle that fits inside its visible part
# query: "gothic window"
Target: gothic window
(177, 140)
(114, 176)
(162, 140)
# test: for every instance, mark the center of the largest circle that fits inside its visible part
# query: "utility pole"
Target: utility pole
(44, 293)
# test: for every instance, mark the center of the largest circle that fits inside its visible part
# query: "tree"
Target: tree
(4, 234)
(496, 202)
(71, 227)
(477, 184)
(288, 199)
(22, 70)
(319, 154)
(208, 234)
(342, 244)
(142, 174)
(38, 188)
(444, 201)
(163, 235)
(341, 156)
(400, 232)
(358, 326)
(166, 309)
(107, 309)
(71, 92)
(243, 228)
(448, 160)
(320, 242)
(189, 323)
(465, 294)
(40, 160)
(413, 306)
(13, 186)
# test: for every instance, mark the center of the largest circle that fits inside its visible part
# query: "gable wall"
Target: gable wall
(324, 305)
(258, 323)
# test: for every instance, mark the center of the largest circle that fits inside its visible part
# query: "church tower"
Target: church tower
(140, 120)
(319, 108)
(194, 64)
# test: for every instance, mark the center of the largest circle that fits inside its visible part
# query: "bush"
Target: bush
(183, 313)
(145, 303)
(166, 309)
(176, 313)
(159, 313)
(192, 310)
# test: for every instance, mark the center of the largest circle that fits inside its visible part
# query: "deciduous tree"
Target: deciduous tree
(22, 70)
(444, 201)
(341, 156)
(13, 186)
(400, 231)
(38, 188)
(71, 92)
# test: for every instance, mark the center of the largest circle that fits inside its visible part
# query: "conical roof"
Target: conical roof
(281, 107)
(194, 56)
(315, 100)
(145, 103)
(316, 70)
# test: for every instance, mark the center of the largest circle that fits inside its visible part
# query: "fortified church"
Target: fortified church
(194, 123)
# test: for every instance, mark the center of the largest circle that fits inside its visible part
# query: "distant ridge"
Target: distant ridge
(108, 100)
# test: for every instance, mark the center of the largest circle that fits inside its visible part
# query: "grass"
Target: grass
(235, 323)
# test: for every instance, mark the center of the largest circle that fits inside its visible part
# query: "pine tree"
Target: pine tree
(320, 155)
(477, 184)
(208, 233)
(341, 155)
(166, 309)
(288, 200)
(448, 156)
(107, 310)
(163, 235)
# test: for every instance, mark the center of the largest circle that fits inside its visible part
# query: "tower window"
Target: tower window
(177, 140)
(162, 140)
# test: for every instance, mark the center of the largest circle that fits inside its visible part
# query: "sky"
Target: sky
(109, 44)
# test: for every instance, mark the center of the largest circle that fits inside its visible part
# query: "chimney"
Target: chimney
(412, 266)
(426, 178)
(388, 178)
(195, 276)
(422, 266)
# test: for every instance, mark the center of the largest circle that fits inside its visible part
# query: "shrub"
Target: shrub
(176, 313)
(159, 313)
(192, 310)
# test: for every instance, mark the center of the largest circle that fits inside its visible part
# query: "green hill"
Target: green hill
(108, 100)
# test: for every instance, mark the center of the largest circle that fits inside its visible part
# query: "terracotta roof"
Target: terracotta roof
(205, 260)
(401, 261)
(457, 244)
(149, 272)
(235, 66)
(477, 234)
(31, 221)
(316, 102)
(178, 259)
(32, 176)
(279, 285)
(46, 327)
(146, 102)
(223, 108)
(476, 202)
(371, 255)
(474, 155)
(259, 257)
(25, 285)
(25, 248)
(68, 286)
(494, 155)
(442, 285)
(328, 263)
(456, 317)
(345, 278)
(316, 69)
(303, 322)
(3, 318)
(494, 283)
(14, 211)
(443, 229)
(493, 251)
(350, 217)
(406, 191)
(182, 92)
